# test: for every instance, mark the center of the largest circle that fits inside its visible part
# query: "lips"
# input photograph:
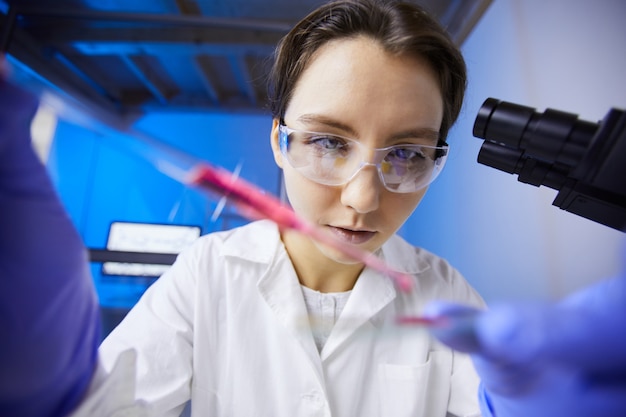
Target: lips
(354, 237)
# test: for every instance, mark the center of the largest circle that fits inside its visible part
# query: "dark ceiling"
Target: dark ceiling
(122, 58)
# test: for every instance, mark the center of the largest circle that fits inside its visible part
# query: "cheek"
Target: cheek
(399, 207)
(306, 197)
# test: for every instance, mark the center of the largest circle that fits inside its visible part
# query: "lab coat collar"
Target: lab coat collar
(281, 290)
(278, 284)
(257, 246)
(371, 293)
(401, 256)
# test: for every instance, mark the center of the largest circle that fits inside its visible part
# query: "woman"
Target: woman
(261, 322)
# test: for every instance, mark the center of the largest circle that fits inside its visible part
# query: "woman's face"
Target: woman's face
(355, 89)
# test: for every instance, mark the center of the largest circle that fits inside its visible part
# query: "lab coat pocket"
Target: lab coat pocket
(416, 390)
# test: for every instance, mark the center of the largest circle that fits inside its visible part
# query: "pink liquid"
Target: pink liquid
(422, 321)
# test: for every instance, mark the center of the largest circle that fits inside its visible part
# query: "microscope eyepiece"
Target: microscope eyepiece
(558, 150)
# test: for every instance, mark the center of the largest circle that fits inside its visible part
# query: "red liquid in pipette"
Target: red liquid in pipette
(422, 321)
(254, 204)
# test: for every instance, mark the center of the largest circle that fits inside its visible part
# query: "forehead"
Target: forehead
(356, 81)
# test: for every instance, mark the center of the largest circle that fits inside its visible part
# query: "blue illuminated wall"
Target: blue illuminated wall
(102, 179)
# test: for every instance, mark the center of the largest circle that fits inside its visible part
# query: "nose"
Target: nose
(362, 192)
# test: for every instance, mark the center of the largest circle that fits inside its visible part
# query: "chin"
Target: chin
(337, 256)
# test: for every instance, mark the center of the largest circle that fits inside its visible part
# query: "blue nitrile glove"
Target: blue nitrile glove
(49, 320)
(566, 359)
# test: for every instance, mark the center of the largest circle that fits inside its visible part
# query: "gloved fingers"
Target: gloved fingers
(505, 333)
(457, 325)
(581, 338)
(590, 338)
(512, 333)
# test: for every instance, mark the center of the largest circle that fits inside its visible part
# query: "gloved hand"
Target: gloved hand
(49, 320)
(565, 359)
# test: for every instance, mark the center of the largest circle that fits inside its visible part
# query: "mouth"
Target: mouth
(354, 237)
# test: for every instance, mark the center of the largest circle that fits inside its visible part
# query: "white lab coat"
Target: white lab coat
(227, 327)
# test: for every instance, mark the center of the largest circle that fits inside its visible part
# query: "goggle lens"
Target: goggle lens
(334, 160)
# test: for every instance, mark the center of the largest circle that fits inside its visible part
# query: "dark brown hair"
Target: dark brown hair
(400, 27)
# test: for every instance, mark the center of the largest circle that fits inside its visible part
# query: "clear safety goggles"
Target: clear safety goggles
(334, 160)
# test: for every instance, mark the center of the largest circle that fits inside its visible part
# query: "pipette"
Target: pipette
(437, 321)
(255, 204)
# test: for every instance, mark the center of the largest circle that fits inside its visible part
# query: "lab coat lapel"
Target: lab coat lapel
(281, 290)
(278, 284)
(371, 293)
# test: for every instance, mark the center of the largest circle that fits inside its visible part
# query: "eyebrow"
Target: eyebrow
(326, 121)
(421, 132)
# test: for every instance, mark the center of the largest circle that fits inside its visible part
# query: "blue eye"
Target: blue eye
(405, 154)
(328, 143)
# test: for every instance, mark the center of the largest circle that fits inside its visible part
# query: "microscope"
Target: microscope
(584, 161)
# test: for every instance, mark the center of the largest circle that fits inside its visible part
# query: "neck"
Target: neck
(315, 270)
